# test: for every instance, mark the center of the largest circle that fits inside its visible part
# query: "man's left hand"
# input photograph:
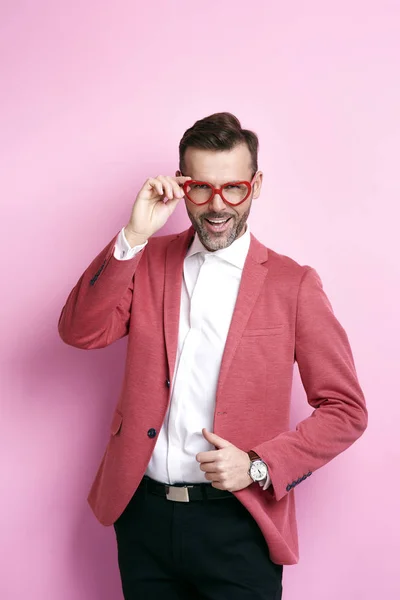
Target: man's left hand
(227, 467)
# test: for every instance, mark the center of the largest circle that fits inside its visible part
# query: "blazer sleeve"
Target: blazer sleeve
(328, 374)
(97, 311)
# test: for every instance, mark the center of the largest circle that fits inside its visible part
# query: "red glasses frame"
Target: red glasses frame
(215, 190)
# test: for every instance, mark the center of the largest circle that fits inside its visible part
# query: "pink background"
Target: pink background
(95, 97)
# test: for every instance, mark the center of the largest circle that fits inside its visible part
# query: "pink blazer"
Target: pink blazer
(281, 315)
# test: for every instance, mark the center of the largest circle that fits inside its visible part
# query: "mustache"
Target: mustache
(216, 216)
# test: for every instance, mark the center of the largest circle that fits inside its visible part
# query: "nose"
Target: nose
(217, 204)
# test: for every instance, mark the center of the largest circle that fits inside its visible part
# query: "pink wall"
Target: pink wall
(95, 96)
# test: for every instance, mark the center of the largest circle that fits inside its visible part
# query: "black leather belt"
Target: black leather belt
(187, 492)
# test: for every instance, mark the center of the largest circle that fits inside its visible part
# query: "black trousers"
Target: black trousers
(205, 550)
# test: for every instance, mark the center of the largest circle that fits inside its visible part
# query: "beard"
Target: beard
(218, 240)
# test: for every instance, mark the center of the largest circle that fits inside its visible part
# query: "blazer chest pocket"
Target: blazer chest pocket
(116, 423)
(270, 330)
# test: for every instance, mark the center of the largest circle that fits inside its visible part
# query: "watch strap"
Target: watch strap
(253, 456)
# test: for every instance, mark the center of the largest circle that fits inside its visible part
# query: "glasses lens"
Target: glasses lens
(235, 192)
(199, 192)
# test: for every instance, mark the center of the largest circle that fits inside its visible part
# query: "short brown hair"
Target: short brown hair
(220, 131)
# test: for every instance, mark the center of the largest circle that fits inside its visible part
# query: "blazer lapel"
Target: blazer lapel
(175, 255)
(253, 277)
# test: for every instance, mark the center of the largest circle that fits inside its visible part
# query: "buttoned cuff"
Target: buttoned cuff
(265, 483)
(122, 249)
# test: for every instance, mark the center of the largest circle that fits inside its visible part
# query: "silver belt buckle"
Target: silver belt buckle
(178, 493)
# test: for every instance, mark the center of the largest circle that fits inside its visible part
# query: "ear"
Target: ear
(257, 184)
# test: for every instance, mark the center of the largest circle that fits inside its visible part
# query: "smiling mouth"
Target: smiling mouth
(217, 225)
(218, 221)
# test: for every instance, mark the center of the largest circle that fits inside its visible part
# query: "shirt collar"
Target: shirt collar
(234, 254)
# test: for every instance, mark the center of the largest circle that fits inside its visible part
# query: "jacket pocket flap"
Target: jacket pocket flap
(272, 330)
(116, 422)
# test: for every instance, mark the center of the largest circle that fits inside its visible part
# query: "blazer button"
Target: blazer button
(167, 383)
(152, 433)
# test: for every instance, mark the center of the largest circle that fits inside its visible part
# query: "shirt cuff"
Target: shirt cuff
(122, 249)
(266, 482)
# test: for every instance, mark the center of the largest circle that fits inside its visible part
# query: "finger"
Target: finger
(177, 191)
(207, 457)
(182, 179)
(212, 477)
(167, 186)
(209, 467)
(218, 485)
(153, 184)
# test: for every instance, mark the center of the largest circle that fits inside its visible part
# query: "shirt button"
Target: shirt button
(152, 433)
(167, 382)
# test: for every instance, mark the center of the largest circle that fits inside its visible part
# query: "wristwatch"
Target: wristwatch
(258, 469)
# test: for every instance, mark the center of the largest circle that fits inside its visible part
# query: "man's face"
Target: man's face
(217, 168)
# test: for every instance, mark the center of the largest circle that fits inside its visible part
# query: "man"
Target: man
(199, 472)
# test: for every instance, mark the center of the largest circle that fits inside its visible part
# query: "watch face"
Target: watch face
(258, 470)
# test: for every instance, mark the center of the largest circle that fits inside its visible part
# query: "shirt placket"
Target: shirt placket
(179, 402)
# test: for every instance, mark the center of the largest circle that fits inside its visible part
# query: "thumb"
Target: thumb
(214, 439)
(171, 205)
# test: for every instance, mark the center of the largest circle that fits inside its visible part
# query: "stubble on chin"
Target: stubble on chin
(218, 243)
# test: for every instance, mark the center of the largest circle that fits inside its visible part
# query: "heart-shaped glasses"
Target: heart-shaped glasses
(202, 192)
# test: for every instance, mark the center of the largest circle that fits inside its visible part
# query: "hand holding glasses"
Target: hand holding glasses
(159, 196)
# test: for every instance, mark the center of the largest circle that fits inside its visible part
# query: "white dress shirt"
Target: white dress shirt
(210, 286)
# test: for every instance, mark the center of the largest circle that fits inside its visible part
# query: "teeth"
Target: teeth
(218, 222)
